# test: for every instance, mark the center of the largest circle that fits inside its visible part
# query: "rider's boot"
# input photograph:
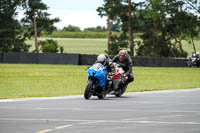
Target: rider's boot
(104, 89)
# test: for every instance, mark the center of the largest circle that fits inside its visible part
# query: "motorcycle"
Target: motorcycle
(116, 81)
(96, 81)
(100, 82)
(193, 61)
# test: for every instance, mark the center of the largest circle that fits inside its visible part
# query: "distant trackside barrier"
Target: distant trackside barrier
(82, 59)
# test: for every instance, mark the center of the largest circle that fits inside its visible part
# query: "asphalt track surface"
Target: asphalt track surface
(149, 112)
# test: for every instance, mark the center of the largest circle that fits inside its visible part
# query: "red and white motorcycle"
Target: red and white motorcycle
(116, 81)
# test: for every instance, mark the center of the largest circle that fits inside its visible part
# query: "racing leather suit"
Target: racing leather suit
(126, 66)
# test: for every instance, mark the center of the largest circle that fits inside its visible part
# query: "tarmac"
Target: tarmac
(174, 111)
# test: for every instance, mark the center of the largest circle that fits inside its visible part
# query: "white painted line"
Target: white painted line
(170, 116)
(164, 116)
(136, 118)
(41, 98)
(45, 131)
(103, 110)
(56, 128)
(108, 121)
(165, 122)
(91, 122)
(64, 126)
(54, 120)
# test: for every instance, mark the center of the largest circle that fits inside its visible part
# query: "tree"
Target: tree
(123, 12)
(37, 20)
(11, 32)
(115, 27)
(167, 23)
(95, 29)
(71, 28)
(105, 11)
(193, 7)
(164, 23)
(130, 29)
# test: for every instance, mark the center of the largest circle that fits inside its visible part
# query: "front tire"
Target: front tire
(88, 90)
(102, 95)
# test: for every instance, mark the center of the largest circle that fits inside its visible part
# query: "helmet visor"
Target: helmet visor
(121, 58)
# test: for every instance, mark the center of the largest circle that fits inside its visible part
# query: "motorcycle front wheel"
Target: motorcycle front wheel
(102, 95)
(88, 90)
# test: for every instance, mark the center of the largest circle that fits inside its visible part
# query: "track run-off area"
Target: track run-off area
(145, 112)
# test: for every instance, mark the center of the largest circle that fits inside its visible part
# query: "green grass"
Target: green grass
(88, 34)
(63, 34)
(41, 80)
(32, 80)
(82, 46)
(97, 46)
(189, 47)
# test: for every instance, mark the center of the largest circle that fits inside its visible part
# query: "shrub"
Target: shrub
(61, 49)
(49, 46)
(154, 45)
(117, 43)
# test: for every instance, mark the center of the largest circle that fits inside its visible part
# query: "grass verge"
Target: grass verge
(33, 80)
(97, 46)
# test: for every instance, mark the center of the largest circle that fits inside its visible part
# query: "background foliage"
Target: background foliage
(162, 26)
(13, 33)
(50, 46)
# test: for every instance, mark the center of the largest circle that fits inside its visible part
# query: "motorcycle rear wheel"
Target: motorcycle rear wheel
(88, 90)
(121, 91)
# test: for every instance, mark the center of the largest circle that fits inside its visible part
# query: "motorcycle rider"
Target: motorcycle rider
(105, 61)
(197, 54)
(194, 60)
(197, 59)
(124, 60)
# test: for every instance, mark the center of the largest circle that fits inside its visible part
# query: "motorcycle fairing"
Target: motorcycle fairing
(98, 71)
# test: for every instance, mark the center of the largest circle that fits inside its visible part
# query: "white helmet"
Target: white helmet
(101, 59)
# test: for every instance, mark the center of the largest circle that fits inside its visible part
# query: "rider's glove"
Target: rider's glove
(125, 74)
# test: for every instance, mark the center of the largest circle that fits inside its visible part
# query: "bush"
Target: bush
(117, 43)
(154, 45)
(50, 46)
(61, 49)
(71, 28)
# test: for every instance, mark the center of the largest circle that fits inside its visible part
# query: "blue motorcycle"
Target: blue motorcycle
(100, 82)
(97, 77)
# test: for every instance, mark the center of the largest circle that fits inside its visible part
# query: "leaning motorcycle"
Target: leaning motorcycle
(193, 61)
(100, 82)
(97, 78)
(116, 81)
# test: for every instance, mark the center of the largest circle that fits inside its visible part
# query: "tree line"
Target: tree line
(13, 32)
(71, 28)
(36, 22)
(164, 24)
